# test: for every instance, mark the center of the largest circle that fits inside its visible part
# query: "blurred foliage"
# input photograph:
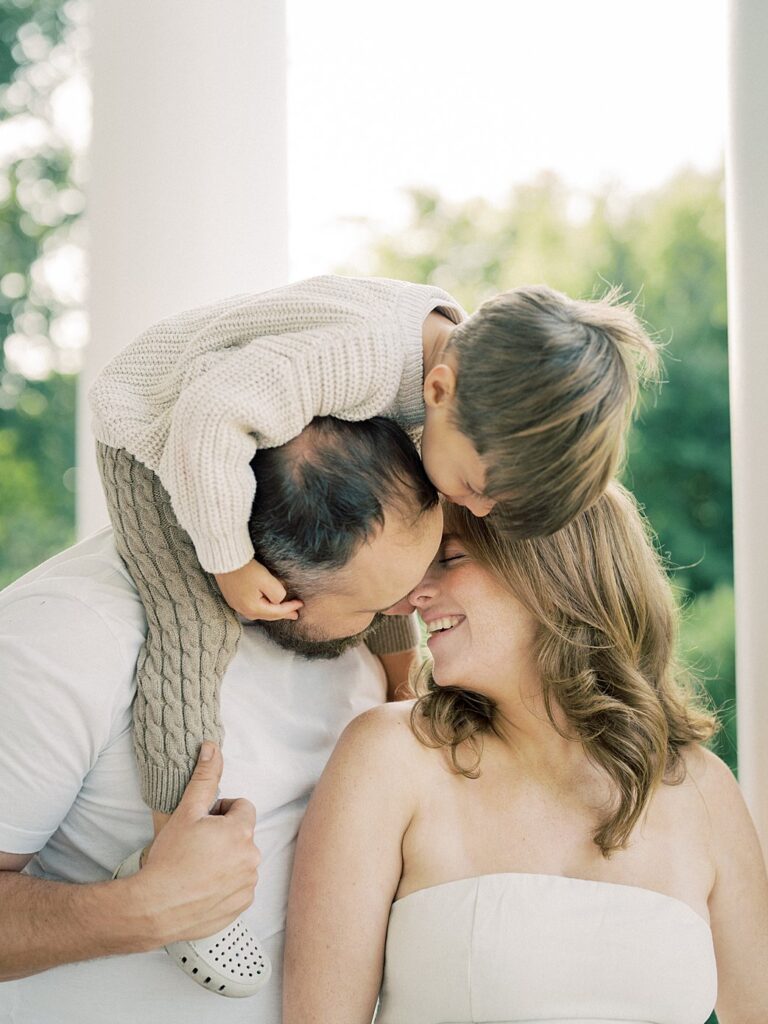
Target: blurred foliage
(40, 203)
(15, 15)
(36, 479)
(665, 250)
(708, 645)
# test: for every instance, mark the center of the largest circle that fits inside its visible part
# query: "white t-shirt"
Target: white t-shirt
(70, 633)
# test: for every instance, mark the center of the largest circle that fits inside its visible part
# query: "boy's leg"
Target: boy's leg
(396, 633)
(191, 636)
(396, 644)
(192, 633)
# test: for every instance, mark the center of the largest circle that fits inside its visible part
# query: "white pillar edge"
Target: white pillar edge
(187, 200)
(747, 250)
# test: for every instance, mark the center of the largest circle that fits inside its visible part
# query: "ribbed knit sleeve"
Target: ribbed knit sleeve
(260, 396)
(193, 397)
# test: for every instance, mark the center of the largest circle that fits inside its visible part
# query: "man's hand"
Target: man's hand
(202, 868)
(199, 875)
(255, 593)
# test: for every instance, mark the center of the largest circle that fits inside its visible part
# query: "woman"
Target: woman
(540, 836)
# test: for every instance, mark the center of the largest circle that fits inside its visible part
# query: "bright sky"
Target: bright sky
(475, 97)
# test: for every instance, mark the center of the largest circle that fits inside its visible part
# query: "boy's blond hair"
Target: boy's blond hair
(546, 390)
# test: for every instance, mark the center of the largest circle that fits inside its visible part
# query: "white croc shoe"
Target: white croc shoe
(229, 963)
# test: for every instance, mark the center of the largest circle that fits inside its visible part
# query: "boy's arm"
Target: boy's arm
(346, 873)
(262, 394)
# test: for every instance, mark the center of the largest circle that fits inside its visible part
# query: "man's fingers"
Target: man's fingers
(242, 812)
(203, 787)
(224, 805)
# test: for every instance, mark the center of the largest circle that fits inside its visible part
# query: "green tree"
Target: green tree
(40, 204)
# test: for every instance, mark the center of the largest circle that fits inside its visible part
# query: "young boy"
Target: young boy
(523, 408)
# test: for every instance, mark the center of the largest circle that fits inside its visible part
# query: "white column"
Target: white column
(188, 196)
(747, 213)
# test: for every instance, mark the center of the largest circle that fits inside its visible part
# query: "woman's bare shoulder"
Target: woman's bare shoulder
(720, 793)
(711, 776)
(383, 733)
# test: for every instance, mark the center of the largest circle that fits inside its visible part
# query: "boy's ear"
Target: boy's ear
(439, 386)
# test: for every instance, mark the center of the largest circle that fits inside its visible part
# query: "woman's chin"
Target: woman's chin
(441, 676)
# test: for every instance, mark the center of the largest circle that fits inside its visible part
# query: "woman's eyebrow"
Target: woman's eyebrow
(450, 538)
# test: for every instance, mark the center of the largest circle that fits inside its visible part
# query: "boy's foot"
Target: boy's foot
(229, 963)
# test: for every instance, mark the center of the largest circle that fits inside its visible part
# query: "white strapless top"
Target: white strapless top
(522, 948)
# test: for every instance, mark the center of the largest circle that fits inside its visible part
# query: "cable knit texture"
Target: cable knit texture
(184, 407)
(192, 633)
(193, 397)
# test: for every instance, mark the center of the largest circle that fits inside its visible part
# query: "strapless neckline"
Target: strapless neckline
(556, 879)
(534, 948)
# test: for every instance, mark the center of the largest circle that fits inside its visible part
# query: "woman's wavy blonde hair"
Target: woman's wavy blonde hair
(605, 648)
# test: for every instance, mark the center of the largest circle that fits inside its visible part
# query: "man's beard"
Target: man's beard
(285, 633)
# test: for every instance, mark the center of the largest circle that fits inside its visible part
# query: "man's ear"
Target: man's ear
(439, 386)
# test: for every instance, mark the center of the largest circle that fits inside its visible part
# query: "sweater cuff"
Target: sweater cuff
(397, 633)
(223, 552)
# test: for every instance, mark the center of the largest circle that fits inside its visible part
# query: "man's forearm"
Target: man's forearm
(44, 924)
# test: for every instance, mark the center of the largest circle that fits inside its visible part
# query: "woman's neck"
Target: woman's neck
(543, 746)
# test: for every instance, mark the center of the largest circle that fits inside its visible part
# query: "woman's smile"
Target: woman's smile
(439, 627)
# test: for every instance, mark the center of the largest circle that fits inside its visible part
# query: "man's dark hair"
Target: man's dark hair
(324, 493)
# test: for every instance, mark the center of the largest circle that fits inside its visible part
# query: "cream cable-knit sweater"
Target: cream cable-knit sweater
(194, 396)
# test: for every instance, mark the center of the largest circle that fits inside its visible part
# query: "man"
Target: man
(348, 519)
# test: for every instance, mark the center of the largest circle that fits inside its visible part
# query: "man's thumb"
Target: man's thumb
(203, 788)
